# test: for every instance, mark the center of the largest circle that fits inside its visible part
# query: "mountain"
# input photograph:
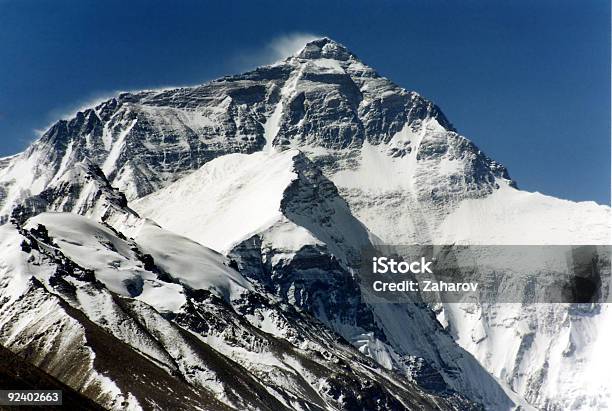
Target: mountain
(290, 171)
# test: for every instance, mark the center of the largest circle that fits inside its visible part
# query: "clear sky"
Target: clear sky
(527, 81)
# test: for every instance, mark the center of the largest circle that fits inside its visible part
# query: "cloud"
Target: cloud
(92, 100)
(288, 45)
(68, 111)
(277, 49)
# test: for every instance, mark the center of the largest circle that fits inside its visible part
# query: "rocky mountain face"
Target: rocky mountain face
(82, 189)
(80, 301)
(323, 100)
(290, 171)
(16, 374)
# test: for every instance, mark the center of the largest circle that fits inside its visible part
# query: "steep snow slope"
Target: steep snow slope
(93, 245)
(227, 198)
(236, 196)
(205, 269)
(520, 217)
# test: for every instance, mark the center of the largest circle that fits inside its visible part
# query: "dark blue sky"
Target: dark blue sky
(528, 82)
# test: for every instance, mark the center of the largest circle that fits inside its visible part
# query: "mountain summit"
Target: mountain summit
(322, 100)
(325, 48)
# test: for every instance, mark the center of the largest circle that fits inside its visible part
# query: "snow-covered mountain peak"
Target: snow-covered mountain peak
(319, 100)
(325, 48)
